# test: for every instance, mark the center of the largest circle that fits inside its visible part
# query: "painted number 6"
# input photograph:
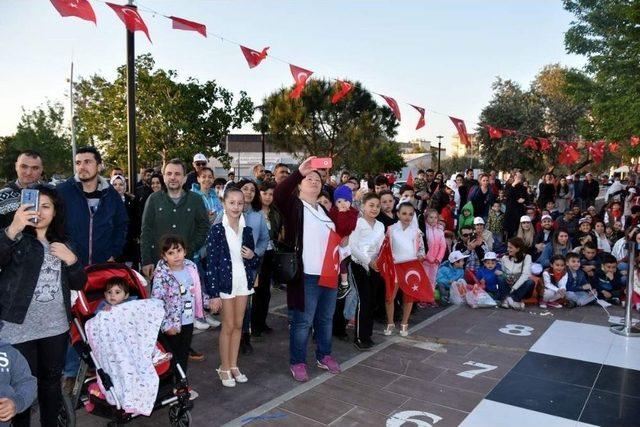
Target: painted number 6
(518, 330)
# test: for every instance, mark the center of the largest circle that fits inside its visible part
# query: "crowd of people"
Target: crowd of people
(212, 248)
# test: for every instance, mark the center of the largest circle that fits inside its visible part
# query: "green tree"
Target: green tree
(174, 119)
(356, 132)
(42, 130)
(606, 32)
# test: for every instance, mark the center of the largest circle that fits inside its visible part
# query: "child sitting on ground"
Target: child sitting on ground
(590, 262)
(18, 388)
(555, 283)
(449, 272)
(579, 291)
(116, 291)
(489, 276)
(610, 286)
(345, 218)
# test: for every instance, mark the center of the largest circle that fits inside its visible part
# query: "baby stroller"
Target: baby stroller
(173, 390)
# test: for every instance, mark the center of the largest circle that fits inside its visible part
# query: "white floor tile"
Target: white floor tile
(624, 355)
(495, 414)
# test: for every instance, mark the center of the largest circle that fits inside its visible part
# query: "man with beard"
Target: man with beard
(96, 219)
(29, 172)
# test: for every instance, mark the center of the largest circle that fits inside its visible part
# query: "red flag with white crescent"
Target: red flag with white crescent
(345, 88)
(635, 140)
(79, 8)
(462, 131)
(421, 121)
(414, 282)
(410, 178)
(569, 155)
(393, 105)
(300, 75)
(530, 143)
(184, 24)
(131, 18)
(613, 146)
(253, 57)
(331, 263)
(386, 267)
(545, 144)
(494, 133)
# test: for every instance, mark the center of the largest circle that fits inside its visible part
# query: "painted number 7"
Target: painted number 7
(473, 372)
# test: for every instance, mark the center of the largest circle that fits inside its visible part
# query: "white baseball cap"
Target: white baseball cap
(478, 220)
(490, 256)
(456, 256)
(545, 216)
(451, 184)
(200, 158)
(525, 218)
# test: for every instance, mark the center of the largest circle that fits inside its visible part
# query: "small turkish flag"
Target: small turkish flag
(345, 88)
(421, 121)
(183, 24)
(494, 133)
(331, 263)
(131, 18)
(613, 147)
(545, 144)
(386, 267)
(300, 75)
(597, 151)
(253, 57)
(569, 155)
(393, 105)
(530, 143)
(410, 178)
(635, 140)
(78, 8)
(413, 281)
(462, 131)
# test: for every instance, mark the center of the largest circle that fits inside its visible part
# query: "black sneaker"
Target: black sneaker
(343, 290)
(369, 341)
(362, 345)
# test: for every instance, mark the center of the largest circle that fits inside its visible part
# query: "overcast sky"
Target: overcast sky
(442, 55)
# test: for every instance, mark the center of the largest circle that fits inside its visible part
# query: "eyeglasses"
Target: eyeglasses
(201, 163)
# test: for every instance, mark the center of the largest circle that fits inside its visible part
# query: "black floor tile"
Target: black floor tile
(611, 410)
(620, 381)
(555, 368)
(550, 397)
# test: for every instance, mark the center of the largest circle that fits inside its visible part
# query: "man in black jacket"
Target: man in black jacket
(590, 190)
(29, 171)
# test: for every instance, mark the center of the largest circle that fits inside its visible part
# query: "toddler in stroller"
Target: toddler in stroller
(133, 375)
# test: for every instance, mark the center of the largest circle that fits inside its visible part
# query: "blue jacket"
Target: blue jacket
(576, 281)
(16, 381)
(102, 235)
(490, 278)
(257, 223)
(447, 274)
(218, 273)
(606, 284)
(547, 253)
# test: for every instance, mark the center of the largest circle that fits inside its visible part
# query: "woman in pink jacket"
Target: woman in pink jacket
(435, 243)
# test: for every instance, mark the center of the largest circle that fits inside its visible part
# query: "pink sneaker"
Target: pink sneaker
(330, 364)
(299, 372)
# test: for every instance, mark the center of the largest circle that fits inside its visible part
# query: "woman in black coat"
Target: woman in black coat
(38, 272)
(516, 195)
(131, 251)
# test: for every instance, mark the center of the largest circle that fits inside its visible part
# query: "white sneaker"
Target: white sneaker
(212, 321)
(200, 325)
(543, 304)
(512, 303)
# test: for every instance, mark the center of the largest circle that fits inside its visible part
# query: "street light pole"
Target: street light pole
(439, 149)
(131, 109)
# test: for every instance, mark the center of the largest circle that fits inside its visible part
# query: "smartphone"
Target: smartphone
(32, 197)
(364, 185)
(322, 163)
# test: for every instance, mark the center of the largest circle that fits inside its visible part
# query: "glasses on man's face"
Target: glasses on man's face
(201, 163)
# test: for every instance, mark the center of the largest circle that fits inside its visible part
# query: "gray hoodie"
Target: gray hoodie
(16, 381)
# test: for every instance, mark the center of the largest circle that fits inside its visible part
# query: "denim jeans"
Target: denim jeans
(319, 305)
(524, 291)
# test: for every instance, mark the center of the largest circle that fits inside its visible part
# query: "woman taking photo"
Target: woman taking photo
(38, 272)
(516, 269)
(307, 227)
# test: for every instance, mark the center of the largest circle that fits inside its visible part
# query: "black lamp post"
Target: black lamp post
(439, 148)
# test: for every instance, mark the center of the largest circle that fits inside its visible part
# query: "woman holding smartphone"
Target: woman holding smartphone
(38, 270)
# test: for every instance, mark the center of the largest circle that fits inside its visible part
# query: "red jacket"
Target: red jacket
(345, 221)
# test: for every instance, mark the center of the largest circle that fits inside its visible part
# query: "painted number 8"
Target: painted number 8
(519, 330)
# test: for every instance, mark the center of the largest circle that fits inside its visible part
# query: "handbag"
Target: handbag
(286, 261)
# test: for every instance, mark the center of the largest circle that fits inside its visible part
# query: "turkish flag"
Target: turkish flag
(253, 57)
(494, 133)
(300, 75)
(569, 155)
(331, 263)
(410, 178)
(413, 281)
(386, 267)
(78, 8)
(345, 88)
(421, 121)
(635, 140)
(613, 147)
(545, 144)
(131, 18)
(597, 151)
(462, 131)
(530, 143)
(183, 24)
(393, 105)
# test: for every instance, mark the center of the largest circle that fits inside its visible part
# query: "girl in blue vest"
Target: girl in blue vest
(231, 267)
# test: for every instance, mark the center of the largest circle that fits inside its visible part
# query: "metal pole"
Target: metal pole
(263, 147)
(628, 329)
(439, 148)
(131, 108)
(73, 122)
